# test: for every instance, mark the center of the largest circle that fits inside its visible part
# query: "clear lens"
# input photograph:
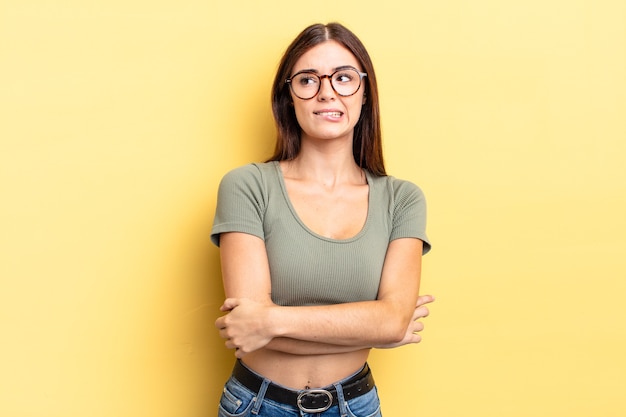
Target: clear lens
(345, 82)
(305, 85)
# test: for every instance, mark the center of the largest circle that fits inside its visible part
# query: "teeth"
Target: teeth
(330, 113)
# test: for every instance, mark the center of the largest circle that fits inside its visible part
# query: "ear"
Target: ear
(364, 100)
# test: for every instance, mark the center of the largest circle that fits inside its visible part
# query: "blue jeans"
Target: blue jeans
(239, 401)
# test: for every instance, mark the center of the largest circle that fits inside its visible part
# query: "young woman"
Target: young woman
(320, 249)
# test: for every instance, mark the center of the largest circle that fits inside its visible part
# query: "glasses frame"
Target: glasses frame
(330, 80)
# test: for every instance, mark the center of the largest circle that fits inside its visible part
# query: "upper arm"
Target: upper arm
(400, 279)
(401, 273)
(245, 267)
(238, 231)
(241, 203)
(409, 213)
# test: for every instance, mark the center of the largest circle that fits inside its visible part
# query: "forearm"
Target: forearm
(257, 333)
(251, 325)
(350, 325)
(302, 347)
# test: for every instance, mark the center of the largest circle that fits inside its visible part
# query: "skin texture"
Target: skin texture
(316, 345)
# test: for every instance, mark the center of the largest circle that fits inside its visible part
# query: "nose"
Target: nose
(326, 89)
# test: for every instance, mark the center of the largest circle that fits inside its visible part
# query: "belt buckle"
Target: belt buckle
(308, 399)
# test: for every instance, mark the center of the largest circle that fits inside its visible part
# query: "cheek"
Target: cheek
(300, 114)
(356, 110)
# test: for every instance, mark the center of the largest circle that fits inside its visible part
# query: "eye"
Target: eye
(306, 80)
(345, 77)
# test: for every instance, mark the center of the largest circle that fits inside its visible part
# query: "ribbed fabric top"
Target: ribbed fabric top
(306, 268)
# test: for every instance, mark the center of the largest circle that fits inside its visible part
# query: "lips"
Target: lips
(328, 113)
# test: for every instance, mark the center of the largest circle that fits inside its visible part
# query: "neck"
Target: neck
(327, 162)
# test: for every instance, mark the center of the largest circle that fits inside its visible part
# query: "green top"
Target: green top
(306, 268)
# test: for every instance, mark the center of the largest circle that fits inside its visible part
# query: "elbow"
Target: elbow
(399, 336)
(393, 324)
(395, 332)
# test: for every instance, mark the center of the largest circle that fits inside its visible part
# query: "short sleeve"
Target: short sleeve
(241, 203)
(409, 213)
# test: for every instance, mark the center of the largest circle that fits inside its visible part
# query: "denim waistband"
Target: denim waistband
(309, 400)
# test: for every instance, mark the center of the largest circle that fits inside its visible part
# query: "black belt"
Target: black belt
(310, 400)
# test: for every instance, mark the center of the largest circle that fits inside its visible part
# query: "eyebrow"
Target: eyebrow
(343, 67)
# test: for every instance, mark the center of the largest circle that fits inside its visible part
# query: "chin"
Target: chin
(328, 135)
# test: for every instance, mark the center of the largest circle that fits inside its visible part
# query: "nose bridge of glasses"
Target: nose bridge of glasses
(321, 88)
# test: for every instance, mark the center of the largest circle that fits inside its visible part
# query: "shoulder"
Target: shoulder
(242, 199)
(252, 170)
(250, 175)
(407, 208)
(398, 189)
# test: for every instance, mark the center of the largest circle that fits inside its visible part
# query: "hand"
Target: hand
(415, 326)
(246, 326)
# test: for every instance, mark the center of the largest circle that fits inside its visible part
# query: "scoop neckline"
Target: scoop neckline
(294, 213)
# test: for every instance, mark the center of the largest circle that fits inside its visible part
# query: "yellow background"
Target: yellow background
(119, 117)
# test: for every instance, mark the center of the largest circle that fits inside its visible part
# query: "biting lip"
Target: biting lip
(328, 112)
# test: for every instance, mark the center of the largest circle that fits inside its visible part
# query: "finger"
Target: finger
(423, 311)
(420, 312)
(219, 323)
(424, 299)
(418, 326)
(229, 304)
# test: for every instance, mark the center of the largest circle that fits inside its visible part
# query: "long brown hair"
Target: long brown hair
(367, 142)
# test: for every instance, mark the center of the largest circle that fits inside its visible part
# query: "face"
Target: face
(328, 115)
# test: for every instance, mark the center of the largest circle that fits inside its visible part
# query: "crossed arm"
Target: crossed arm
(253, 322)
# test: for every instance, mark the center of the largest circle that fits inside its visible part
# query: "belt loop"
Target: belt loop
(258, 400)
(341, 401)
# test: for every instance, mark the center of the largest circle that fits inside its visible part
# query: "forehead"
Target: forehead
(325, 57)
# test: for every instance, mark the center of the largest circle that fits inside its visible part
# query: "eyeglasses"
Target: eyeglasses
(345, 82)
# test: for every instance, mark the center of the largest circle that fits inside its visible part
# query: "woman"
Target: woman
(320, 249)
